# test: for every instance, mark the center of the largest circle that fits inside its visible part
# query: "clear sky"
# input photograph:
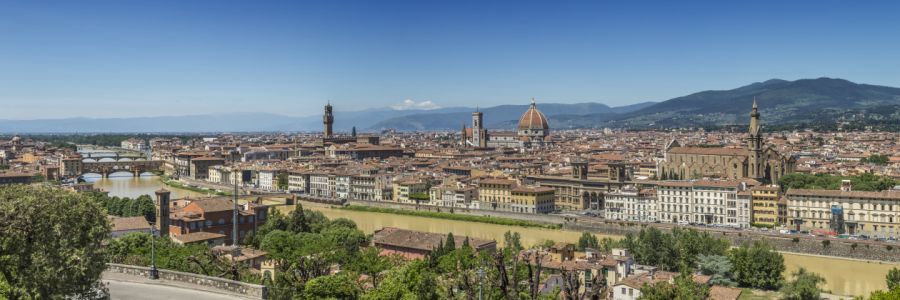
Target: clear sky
(101, 59)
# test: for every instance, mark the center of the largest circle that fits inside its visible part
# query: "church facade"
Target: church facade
(756, 162)
(533, 131)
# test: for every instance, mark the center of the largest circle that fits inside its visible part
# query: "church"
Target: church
(533, 132)
(757, 161)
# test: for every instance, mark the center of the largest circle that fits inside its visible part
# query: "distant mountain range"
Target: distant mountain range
(779, 101)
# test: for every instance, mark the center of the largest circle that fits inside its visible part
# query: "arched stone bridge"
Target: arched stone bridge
(117, 157)
(108, 167)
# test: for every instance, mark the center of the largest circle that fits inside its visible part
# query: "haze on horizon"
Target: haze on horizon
(108, 59)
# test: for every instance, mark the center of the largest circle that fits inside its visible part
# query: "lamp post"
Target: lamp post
(480, 273)
(154, 274)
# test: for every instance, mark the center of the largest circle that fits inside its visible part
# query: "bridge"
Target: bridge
(76, 166)
(98, 156)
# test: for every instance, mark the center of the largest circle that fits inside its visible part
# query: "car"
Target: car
(893, 238)
(865, 236)
(657, 221)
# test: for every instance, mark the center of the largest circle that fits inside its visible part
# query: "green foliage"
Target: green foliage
(450, 216)
(889, 247)
(127, 207)
(893, 278)
(399, 284)
(823, 181)
(38, 178)
(512, 240)
(61, 144)
(759, 266)
(353, 132)
(683, 287)
(825, 243)
(761, 225)
(371, 262)
(4, 167)
(419, 197)
(891, 294)
(332, 286)
(797, 240)
(296, 220)
(880, 160)
(51, 246)
(587, 240)
(548, 243)
(283, 180)
(805, 286)
(717, 266)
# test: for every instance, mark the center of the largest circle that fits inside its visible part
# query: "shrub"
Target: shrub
(795, 240)
(825, 243)
(889, 247)
(853, 246)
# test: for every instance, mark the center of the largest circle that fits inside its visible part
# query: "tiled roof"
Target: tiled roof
(131, 223)
(198, 236)
(422, 240)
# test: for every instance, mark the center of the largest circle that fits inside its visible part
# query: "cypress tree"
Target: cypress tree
(466, 243)
(451, 243)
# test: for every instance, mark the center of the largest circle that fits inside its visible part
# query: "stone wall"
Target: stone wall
(250, 290)
(537, 218)
(839, 248)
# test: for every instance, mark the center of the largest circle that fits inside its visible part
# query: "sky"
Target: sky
(103, 59)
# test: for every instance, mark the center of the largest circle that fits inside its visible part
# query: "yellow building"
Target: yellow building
(764, 201)
(533, 199)
(403, 189)
(495, 194)
(871, 213)
(30, 158)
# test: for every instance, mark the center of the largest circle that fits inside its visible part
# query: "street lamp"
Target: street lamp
(480, 277)
(154, 274)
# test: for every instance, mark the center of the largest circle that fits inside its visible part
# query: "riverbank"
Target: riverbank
(451, 216)
(166, 179)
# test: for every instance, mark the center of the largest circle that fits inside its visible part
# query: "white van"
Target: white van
(784, 231)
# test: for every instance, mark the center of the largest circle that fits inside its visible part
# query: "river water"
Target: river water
(125, 184)
(845, 277)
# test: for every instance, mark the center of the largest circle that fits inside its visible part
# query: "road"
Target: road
(140, 288)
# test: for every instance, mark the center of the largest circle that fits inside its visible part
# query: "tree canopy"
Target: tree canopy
(51, 244)
(823, 181)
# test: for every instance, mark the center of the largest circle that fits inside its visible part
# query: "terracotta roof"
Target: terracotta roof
(422, 240)
(216, 204)
(533, 119)
(131, 223)
(718, 292)
(198, 236)
(709, 151)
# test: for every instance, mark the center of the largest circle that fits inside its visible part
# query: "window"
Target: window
(221, 221)
(193, 225)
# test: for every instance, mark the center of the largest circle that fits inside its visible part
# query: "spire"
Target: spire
(754, 102)
(532, 102)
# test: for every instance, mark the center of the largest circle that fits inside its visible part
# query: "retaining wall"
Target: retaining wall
(839, 248)
(537, 218)
(250, 290)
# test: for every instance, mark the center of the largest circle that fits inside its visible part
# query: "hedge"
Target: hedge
(449, 216)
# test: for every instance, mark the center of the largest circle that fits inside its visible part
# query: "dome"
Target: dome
(16, 138)
(533, 119)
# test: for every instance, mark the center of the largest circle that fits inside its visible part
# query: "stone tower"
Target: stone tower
(477, 136)
(579, 169)
(328, 119)
(162, 212)
(754, 145)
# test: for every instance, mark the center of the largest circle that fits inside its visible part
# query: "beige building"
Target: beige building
(402, 190)
(200, 166)
(495, 194)
(871, 213)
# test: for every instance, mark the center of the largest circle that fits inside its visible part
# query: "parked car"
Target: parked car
(784, 231)
(865, 236)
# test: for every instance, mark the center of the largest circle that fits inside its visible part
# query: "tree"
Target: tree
(353, 132)
(283, 180)
(38, 178)
(718, 267)
(371, 262)
(4, 167)
(684, 288)
(427, 287)
(332, 286)
(296, 220)
(805, 286)
(892, 294)
(451, 243)
(893, 278)
(512, 240)
(759, 266)
(548, 243)
(51, 244)
(587, 240)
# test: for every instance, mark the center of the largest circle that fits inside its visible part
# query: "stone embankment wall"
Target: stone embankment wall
(254, 291)
(839, 248)
(537, 218)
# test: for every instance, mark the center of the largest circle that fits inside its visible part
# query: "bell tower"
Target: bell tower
(477, 136)
(754, 145)
(328, 119)
(162, 212)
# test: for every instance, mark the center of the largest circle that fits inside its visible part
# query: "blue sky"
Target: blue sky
(102, 59)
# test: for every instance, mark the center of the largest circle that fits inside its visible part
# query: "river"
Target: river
(845, 277)
(124, 184)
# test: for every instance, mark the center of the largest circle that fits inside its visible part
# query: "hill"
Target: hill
(779, 101)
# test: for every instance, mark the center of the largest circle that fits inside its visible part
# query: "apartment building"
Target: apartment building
(404, 188)
(495, 194)
(845, 211)
(200, 166)
(764, 200)
(632, 203)
(318, 183)
(532, 199)
(298, 180)
(267, 179)
(715, 202)
(675, 198)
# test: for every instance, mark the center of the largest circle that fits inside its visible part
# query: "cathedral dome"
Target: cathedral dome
(533, 119)
(16, 138)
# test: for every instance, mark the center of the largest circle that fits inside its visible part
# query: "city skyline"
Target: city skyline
(107, 59)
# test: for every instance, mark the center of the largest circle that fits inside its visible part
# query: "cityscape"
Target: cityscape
(290, 180)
